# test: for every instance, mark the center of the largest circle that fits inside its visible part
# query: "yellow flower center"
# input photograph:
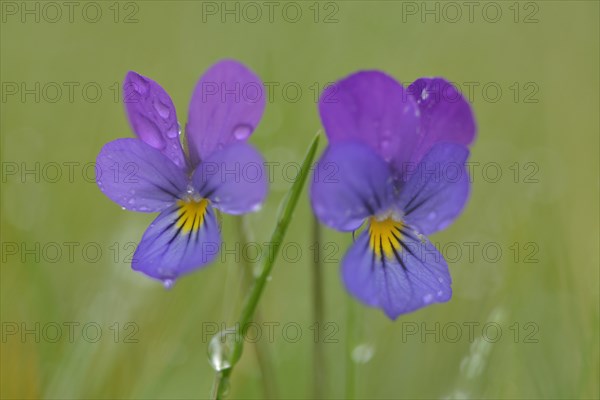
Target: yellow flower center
(191, 214)
(384, 236)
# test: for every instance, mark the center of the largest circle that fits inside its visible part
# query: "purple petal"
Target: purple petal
(375, 109)
(437, 191)
(351, 183)
(138, 177)
(152, 116)
(233, 179)
(413, 278)
(226, 107)
(168, 250)
(446, 116)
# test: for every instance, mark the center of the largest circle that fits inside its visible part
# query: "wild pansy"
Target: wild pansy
(395, 160)
(152, 173)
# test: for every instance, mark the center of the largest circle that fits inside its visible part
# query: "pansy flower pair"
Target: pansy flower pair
(384, 140)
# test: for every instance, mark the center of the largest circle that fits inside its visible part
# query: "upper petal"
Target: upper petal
(178, 241)
(437, 191)
(226, 107)
(446, 116)
(351, 182)
(375, 109)
(152, 115)
(413, 276)
(233, 179)
(137, 176)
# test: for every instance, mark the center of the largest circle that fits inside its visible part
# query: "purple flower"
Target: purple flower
(153, 173)
(396, 159)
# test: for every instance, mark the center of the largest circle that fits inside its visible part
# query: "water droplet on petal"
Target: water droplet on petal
(123, 208)
(162, 109)
(168, 283)
(427, 298)
(242, 131)
(221, 349)
(131, 201)
(363, 353)
(149, 133)
(173, 131)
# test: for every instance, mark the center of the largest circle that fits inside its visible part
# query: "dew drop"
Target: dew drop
(150, 133)
(173, 131)
(168, 283)
(363, 353)
(221, 349)
(131, 201)
(242, 131)
(162, 109)
(427, 298)
(138, 84)
(123, 208)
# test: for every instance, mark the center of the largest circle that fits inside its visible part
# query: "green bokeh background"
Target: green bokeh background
(555, 356)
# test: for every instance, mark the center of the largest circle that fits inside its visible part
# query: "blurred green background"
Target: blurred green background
(533, 309)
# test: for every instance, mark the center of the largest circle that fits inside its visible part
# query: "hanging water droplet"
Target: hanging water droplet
(221, 349)
(242, 131)
(168, 283)
(363, 353)
(123, 208)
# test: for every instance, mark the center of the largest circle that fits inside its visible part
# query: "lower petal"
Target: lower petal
(181, 239)
(403, 276)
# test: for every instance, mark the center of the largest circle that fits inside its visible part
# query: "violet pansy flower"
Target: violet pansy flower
(152, 173)
(395, 160)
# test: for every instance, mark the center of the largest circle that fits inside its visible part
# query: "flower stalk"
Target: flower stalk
(285, 215)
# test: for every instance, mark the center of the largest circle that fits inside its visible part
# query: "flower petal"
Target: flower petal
(226, 107)
(233, 179)
(152, 116)
(137, 176)
(372, 107)
(415, 276)
(437, 191)
(351, 182)
(180, 240)
(446, 116)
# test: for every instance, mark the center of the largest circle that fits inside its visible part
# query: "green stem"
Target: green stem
(319, 369)
(285, 215)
